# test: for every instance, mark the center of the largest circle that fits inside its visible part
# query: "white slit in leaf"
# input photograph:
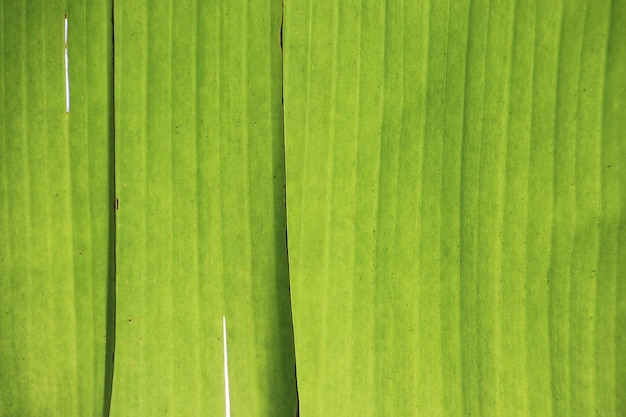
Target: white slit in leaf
(67, 72)
(226, 385)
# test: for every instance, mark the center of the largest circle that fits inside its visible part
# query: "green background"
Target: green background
(421, 204)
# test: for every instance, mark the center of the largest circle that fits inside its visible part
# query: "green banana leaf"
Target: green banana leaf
(455, 187)
(56, 212)
(456, 206)
(201, 211)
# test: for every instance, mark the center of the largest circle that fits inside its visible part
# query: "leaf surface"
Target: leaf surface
(201, 219)
(456, 200)
(56, 211)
